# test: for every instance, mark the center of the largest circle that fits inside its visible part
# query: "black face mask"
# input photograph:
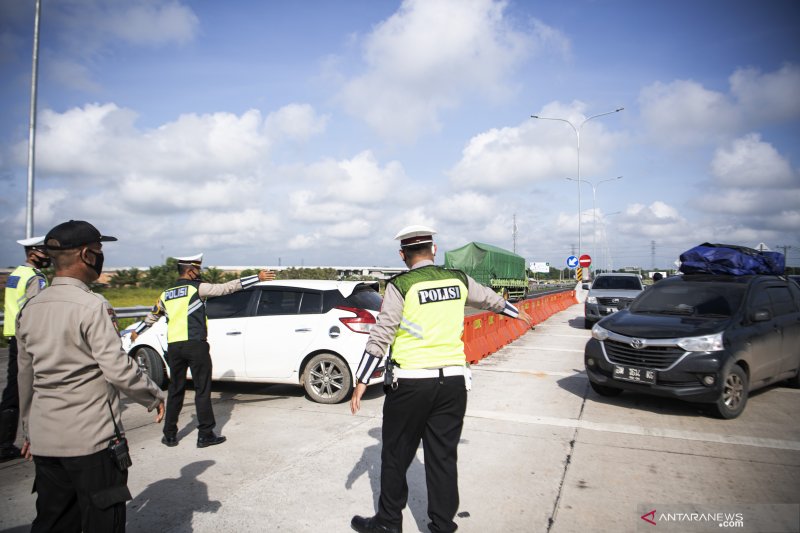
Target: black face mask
(40, 261)
(97, 266)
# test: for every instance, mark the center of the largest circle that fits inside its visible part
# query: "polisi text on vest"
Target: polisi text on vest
(441, 294)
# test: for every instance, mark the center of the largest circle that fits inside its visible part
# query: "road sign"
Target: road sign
(579, 274)
(572, 261)
(585, 260)
(541, 268)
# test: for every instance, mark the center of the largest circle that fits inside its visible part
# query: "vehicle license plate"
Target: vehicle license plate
(637, 375)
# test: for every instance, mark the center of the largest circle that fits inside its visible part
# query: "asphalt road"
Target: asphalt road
(539, 452)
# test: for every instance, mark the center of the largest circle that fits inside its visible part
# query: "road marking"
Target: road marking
(544, 348)
(539, 373)
(741, 440)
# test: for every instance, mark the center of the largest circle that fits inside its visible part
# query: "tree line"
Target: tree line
(165, 275)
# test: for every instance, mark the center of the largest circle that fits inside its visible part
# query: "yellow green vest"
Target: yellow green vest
(186, 313)
(16, 287)
(429, 335)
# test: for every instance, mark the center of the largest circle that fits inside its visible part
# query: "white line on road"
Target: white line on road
(532, 372)
(545, 348)
(638, 430)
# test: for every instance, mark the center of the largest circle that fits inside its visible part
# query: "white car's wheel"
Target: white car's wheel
(327, 379)
(152, 365)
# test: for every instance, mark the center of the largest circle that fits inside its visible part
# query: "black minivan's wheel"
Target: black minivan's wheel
(733, 397)
(152, 365)
(602, 390)
(327, 379)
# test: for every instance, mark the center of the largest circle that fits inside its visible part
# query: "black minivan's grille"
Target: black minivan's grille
(657, 357)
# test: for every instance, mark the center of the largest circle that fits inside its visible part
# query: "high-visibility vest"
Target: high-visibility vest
(429, 335)
(16, 289)
(185, 312)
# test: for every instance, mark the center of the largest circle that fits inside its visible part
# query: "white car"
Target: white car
(304, 332)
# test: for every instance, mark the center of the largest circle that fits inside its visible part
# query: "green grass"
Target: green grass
(131, 296)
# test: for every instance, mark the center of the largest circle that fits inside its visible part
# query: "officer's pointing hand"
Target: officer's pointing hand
(266, 275)
(526, 317)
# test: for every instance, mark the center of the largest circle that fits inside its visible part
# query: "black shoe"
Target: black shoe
(169, 441)
(8, 453)
(211, 440)
(371, 525)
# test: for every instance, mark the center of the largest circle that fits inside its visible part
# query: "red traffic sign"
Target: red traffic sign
(585, 260)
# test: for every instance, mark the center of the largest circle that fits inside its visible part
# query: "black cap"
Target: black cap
(73, 234)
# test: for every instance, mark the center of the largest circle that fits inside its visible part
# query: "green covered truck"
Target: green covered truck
(503, 271)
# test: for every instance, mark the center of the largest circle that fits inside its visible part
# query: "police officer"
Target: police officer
(71, 370)
(184, 307)
(24, 283)
(422, 319)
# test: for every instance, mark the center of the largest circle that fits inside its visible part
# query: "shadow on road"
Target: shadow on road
(370, 463)
(172, 501)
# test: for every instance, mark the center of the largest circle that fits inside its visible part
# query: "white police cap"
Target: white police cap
(414, 235)
(33, 241)
(190, 260)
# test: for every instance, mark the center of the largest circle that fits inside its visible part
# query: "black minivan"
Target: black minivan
(702, 338)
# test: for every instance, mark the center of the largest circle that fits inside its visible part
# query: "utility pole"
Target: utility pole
(785, 249)
(653, 253)
(514, 233)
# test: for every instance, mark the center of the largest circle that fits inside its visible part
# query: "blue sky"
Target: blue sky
(308, 133)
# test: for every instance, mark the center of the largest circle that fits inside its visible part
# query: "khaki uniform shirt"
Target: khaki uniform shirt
(71, 362)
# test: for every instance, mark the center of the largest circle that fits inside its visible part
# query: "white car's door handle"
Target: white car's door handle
(234, 333)
(302, 330)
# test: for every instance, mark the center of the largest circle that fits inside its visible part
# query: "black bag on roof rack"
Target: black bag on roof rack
(731, 260)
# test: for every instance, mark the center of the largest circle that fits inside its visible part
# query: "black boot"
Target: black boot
(9, 418)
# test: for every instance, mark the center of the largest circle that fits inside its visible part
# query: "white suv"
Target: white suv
(304, 332)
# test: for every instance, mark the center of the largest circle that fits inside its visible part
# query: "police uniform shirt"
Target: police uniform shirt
(36, 283)
(204, 290)
(71, 362)
(382, 334)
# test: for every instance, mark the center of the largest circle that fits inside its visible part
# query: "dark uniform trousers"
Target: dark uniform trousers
(431, 410)
(11, 392)
(86, 493)
(196, 356)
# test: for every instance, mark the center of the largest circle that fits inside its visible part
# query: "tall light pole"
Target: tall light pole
(32, 124)
(594, 207)
(577, 131)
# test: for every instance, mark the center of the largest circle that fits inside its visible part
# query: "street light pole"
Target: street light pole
(577, 131)
(594, 207)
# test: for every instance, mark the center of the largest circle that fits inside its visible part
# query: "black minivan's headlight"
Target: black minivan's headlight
(599, 332)
(705, 343)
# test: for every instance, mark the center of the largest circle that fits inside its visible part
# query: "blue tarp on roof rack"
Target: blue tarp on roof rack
(732, 260)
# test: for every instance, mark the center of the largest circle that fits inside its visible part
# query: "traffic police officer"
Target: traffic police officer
(187, 347)
(71, 370)
(24, 283)
(422, 319)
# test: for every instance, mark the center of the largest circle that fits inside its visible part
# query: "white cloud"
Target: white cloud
(751, 162)
(151, 23)
(684, 112)
(235, 227)
(295, 122)
(467, 205)
(344, 187)
(768, 96)
(536, 150)
(101, 140)
(431, 53)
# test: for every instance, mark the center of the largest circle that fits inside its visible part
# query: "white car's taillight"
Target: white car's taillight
(361, 323)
